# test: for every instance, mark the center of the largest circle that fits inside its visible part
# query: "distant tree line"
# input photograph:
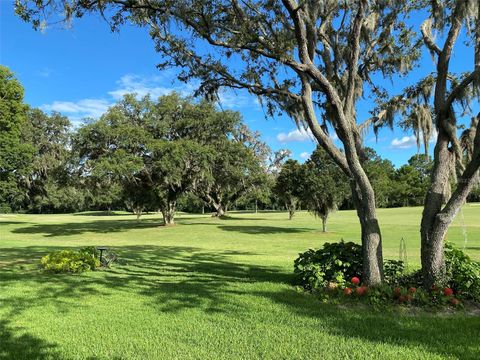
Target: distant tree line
(146, 155)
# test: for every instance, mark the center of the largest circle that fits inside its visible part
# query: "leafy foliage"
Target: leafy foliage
(71, 261)
(393, 270)
(15, 155)
(463, 273)
(335, 262)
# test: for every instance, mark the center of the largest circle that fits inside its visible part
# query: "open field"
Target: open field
(209, 289)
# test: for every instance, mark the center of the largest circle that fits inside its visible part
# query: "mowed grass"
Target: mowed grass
(210, 289)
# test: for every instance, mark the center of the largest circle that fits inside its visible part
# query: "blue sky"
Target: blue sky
(82, 70)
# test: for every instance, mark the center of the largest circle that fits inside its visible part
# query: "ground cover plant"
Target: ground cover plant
(210, 288)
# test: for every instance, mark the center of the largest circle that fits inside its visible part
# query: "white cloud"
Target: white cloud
(143, 86)
(295, 135)
(45, 72)
(231, 99)
(408, 142)
(93, 108)
(155, 86)
(304, 155)
(405, 142)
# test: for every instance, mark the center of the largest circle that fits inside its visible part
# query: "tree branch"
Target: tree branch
(457, 91)
(427, 39)
(354, 56)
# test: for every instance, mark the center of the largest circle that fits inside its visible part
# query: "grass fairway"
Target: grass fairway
(209, 289)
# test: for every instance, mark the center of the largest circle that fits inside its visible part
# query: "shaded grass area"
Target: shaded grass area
(205, 289)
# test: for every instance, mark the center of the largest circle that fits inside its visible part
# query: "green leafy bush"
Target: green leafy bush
(335, 262)
(463, 273)
(393, 271)
(71, 261)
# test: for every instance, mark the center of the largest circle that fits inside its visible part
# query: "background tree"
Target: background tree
(15, 155)
(288, 186)
(238, 166)
(381, 173)
(324, 186)
(236, 172)
(49, 136)
(411, 182)
(148, 150)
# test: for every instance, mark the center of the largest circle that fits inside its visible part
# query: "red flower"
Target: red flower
(355, 280)
(412, 290)
(447, 291)
(362, 290)
(402, 298)
(347, 291)
(397, 292)
(454, 301)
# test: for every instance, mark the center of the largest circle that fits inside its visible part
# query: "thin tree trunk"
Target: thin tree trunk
(291, 212)
(324, 224)
(169, 213)
(256, 206)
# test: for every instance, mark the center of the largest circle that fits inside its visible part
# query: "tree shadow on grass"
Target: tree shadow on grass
(97, 226)
(24, 346)
(100, 213)
(112, 226)
(259, 230)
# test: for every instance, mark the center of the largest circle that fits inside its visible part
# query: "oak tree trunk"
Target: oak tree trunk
(324, 224)
(371, 236)
(220, 211)
(432, 236)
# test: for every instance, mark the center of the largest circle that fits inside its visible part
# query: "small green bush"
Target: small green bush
(70, 261)
(335, 262)
(463, 273)
(393, 271)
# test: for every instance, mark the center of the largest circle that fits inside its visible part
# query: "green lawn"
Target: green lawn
(209, 289)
